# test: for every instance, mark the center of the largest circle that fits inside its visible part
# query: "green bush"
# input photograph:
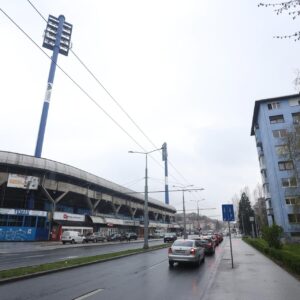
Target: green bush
(272, 236)
(288, 255)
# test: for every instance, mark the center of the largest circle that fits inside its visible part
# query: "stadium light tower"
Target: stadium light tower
(57, 38)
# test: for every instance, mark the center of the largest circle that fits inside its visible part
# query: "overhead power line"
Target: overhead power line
(117, 103)
(77, 84)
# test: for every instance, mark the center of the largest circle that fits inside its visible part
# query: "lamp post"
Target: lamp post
(146, 217)
(198, 216)
(183, 189)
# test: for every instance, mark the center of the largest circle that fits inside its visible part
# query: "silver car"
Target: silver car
(186, 251)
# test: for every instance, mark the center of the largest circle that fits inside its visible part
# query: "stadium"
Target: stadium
(40, 198)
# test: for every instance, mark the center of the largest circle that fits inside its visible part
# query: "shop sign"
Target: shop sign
(68, 217)
(22, 212)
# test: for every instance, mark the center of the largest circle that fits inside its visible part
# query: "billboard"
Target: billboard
(22, 182)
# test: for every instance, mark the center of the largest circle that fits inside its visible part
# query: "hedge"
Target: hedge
(289, 257)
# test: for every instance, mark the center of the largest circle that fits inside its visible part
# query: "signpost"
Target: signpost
(228, 216)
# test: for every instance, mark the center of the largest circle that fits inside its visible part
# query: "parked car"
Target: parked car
(116, 237)
(72, 237)
(170, 237)
(131, 236)
(94, 237)
(189, 251)
(208, 246)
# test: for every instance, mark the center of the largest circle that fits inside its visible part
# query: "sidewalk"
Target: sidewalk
(254, 277)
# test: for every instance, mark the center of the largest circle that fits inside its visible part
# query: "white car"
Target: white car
(72, 237)
(186, 251)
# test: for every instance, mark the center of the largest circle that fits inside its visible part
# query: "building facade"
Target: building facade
(275, 126)
(40, 198)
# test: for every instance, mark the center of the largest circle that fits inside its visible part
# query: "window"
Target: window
(41, 222)
(294, 102)
(276, 119)
(285, 165)
(273, 105)
(294, 218)
(289, 182)
(279, 133)
(29, 221)
(296, 118)
(292, 200)
(282, 149)
(16, 221)
(266, 188)
(264, 173)
(3, 220)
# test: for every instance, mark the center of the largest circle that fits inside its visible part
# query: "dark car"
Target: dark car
(208, 244)
(131, 236)
(170, 237)
(94, 237)
(116, 237)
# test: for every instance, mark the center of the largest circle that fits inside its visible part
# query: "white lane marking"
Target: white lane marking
(88, 294)
(30, 256)
(68, 257)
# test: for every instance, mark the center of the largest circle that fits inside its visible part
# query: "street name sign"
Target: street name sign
(228, 213)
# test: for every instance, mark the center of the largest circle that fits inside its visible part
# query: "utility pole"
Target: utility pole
(184, 189)
(165, 159)
(146, 214)
(57, 38)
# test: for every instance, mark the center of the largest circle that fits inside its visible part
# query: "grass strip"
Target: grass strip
(288, 256)
(64, 264)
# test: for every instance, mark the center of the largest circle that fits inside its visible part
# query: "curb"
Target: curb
(37, 274)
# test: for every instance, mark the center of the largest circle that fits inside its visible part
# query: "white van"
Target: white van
(72, 237)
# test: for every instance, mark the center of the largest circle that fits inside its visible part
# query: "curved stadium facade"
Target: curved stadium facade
(39, 198)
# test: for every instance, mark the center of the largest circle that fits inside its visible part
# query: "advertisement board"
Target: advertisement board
(22, 212)
(68, 217)
(22, 182)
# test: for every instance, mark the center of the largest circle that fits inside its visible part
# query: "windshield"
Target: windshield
(183, 243)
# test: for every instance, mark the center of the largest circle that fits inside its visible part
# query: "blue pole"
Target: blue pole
(40, 139)
(165, 159)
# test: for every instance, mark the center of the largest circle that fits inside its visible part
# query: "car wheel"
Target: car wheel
(72, 242)
(198, 262)
(64, 243)
(171, 263)
(203, 259)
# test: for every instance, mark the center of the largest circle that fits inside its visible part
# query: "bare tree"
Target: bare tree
(292, 8)
(259, 207)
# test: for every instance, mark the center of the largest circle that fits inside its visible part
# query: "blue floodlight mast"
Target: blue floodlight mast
(165, 159)
(57, 38)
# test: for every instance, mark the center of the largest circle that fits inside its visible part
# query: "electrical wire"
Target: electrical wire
(77, 84)
(117, 103)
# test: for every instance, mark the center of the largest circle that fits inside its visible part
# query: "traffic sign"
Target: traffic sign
(228, 213)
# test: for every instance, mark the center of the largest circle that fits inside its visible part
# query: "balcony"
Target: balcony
(260, 151)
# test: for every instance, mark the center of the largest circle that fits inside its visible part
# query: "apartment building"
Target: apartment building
(276, 127)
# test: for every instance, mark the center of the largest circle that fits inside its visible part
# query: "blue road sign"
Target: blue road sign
(228, 213)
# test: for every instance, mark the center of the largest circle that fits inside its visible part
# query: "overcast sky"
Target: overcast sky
(187, 72)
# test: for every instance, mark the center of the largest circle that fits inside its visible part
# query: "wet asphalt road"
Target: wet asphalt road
(15, 258)
(144, 276)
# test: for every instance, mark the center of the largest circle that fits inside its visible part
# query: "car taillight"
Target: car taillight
(170, 251)
(193, 251)
(209, 244)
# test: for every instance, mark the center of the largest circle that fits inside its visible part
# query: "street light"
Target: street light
(198, 216)
(146, 219)
(183, 189)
